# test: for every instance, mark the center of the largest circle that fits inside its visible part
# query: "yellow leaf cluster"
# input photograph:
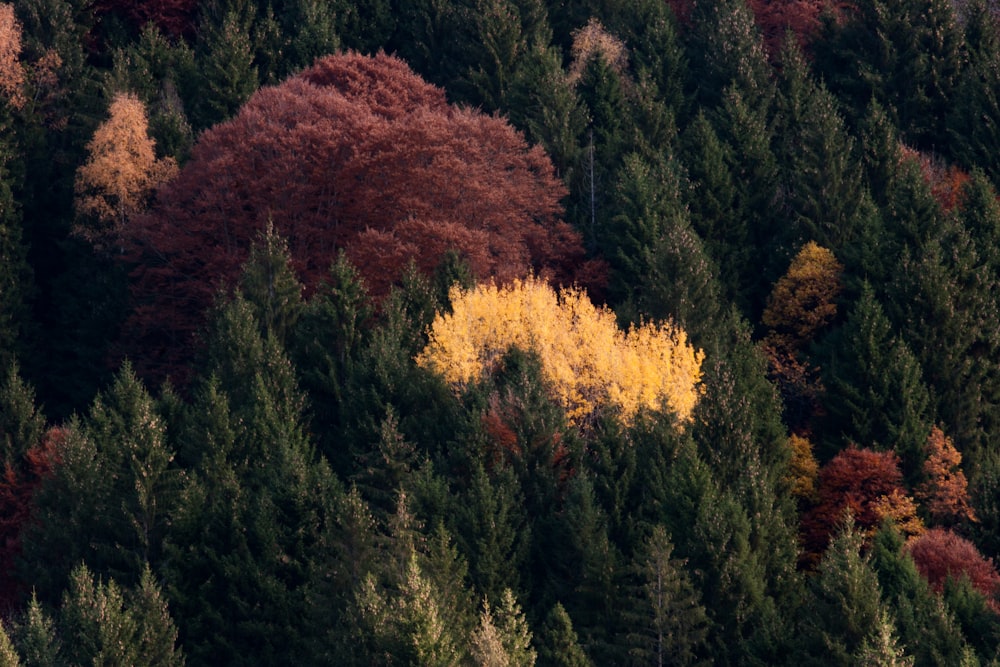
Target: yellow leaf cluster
(586, 359)
(804, 299)
(122, 170)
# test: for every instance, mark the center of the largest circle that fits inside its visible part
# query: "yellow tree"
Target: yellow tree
(803, 300)
(121, 173)
(586, 359)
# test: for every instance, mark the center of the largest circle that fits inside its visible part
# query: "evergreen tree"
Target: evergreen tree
(973, 138)
(557, 641)
(109, 499)
(844, 615)
(225, 57)
(822, 182)
(875, 394)
(21, 421)
(925, 625)
(905, 55)
(726, 52)
(669, 625)
(270, 287)
(15, 273)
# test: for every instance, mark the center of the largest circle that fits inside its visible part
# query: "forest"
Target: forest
(500, 332)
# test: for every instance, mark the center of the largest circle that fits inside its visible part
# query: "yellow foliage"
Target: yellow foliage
(803, 470)
(803, 300)
(902, 510)
(122, 171)
(588, 361)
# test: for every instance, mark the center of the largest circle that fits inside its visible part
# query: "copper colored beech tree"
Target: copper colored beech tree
(357, 153)
(939, 554)
(866, 483)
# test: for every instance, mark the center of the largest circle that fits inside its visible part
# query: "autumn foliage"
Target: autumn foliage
(121, 173)
(357, 153)
(589, 362)
(17, 487)
(939, 554)
(867, 484)
(11, 72)
(945, 493)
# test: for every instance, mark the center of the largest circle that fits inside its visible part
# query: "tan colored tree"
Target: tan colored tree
(592, 40)
(945, 493)
(588, 361)
(11, 71)
(121, 173)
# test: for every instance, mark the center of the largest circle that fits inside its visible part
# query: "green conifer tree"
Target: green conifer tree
(557, 642)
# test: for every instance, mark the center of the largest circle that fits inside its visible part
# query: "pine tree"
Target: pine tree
(846, 615)
(875, 392)
(225, 57)
(270, 286)
(669, 625)
(557, 641)
(973, 138)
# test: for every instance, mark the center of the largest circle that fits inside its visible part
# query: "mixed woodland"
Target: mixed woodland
(499, 332)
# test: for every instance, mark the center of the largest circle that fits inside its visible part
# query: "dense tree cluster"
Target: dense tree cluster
(499, 332)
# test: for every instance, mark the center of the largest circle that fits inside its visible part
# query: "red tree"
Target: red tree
(940, 553)
(18, 483)
(356, 153)
(865, 482)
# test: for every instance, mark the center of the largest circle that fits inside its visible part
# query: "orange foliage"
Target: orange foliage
(946, 181)
(356, 153)
(945, 493)
(939, 554)
(121, 173)
(869, 485)
(11, 71)
(17, 487)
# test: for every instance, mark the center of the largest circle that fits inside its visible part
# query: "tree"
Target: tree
(399, 176)
(875, 391)
(944, 492)
(903, 54)
(804, 299)
(846, 617)
(972, 132)
(557, 641)
(670, 626)
(121, 174)
(941, 554)
(503, 639)
(589, 362)
(868, 484)
(227, 75)
(12, 77)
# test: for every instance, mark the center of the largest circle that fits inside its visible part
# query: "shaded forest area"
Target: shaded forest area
(499, 332)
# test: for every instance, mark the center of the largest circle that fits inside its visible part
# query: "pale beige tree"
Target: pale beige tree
(121, 174)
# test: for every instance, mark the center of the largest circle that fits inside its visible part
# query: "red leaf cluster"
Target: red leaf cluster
(18, 483)
(939, 554)
(859, 480)
(356, 153)
(945, 181)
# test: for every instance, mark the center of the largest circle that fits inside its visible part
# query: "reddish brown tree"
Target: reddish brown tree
(18, 483)
(356, 153)
(864, 482)
(940, 554)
